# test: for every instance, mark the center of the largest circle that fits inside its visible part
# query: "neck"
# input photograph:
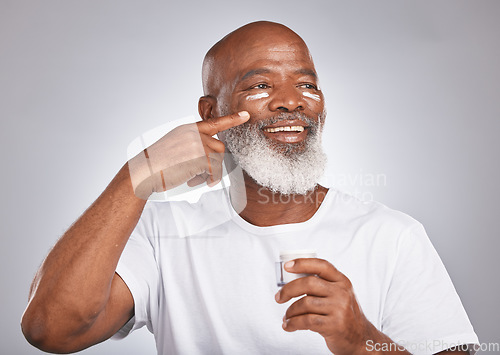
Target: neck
(266, 208)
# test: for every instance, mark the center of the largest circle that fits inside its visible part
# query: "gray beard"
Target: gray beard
(285, 168)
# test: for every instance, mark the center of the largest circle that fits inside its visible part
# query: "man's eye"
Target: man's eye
(261, 86)
(309, 86)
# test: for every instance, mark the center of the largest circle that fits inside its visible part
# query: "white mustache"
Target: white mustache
(287, 116)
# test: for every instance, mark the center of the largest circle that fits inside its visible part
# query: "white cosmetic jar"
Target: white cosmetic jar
(282, 276)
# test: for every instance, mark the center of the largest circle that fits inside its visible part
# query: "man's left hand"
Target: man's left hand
(328, 308)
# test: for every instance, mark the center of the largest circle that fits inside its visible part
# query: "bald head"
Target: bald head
(221, 62)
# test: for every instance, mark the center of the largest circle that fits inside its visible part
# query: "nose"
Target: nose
(287, 99)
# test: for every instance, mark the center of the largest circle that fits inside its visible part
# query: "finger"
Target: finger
(213, 166)
(216, 160)
(308, 285)
(214, 144)
(213, 148)
(308, 304)
(320, 267)
(212, 126)
(315, 322)
(200, 179)
(197, 180)
(209, 169)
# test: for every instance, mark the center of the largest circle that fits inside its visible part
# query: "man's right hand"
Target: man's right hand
(188, 153)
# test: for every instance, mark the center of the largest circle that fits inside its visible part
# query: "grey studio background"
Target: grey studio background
(412, 90)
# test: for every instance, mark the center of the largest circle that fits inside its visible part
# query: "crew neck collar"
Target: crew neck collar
(279, 228)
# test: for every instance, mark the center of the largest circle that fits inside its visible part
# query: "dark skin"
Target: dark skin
(282, 68)
(77, 299)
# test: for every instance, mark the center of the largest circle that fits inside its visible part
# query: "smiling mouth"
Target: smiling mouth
(284, 129)
(287, 132)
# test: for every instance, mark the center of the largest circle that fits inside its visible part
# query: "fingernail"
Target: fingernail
(243, 114)
(285, 323)
(289, 264)
(277, 296)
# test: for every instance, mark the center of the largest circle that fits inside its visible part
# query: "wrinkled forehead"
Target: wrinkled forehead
(266, 48)
(277, 56)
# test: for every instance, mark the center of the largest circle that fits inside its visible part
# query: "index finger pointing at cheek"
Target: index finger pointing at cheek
(212, 126)
(320, 267)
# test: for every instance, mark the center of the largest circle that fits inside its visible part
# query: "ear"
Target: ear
(206, 107)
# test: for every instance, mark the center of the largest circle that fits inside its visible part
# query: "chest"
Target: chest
(218, 290)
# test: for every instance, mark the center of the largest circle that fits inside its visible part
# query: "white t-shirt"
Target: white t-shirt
(203, 279)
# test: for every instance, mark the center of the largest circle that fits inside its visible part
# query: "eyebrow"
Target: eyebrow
(309, 72)
(255, 72)
(259, 71)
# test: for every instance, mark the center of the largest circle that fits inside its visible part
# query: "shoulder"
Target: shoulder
(186, 218)
(207, 201)
(371, 216)
(355, 208)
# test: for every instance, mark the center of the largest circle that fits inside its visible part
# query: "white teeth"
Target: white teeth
(284, 129)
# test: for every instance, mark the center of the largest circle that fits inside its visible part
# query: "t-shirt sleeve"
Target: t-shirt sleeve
(423, 312)
(138, 269)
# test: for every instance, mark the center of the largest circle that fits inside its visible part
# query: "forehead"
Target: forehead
(260, 57)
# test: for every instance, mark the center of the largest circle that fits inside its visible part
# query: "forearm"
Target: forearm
(371, 342)
(376, 343)
(74, 281)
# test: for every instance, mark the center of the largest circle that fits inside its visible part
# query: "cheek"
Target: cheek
(253, 103)
(315, 97)
(315, 102)
(257, 96)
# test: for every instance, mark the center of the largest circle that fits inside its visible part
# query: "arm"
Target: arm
(76, 298)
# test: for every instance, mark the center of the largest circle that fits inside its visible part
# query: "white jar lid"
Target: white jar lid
(296, 254)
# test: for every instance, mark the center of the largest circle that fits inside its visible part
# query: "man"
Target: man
(201, 276)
